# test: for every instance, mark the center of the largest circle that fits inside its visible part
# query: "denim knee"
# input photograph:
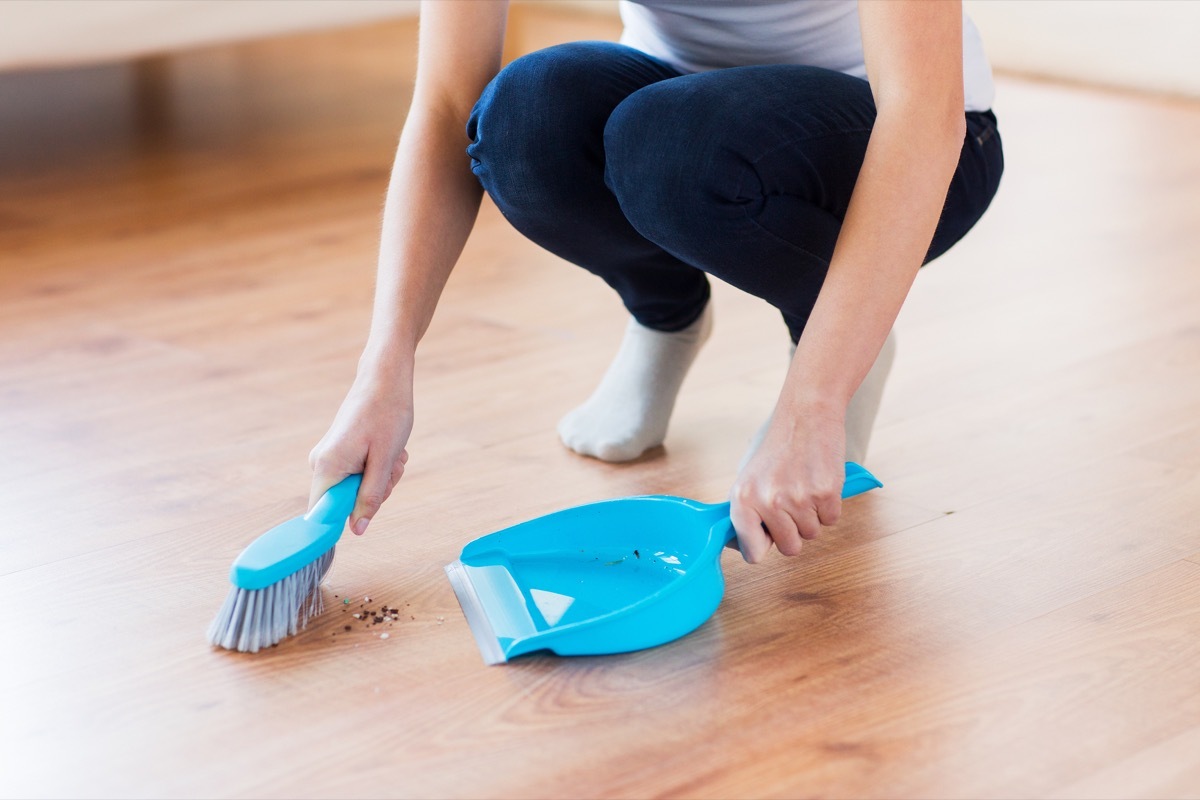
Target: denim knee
(524, 117)
(671, 172)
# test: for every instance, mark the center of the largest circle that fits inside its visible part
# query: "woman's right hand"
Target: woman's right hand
(368, 436)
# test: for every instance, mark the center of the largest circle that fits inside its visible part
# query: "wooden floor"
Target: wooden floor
(186, 251)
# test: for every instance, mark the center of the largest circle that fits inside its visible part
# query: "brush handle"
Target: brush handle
(335, 505)
(288, 548)
(858, 480)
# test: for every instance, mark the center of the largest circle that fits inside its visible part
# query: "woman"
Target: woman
(814, 153)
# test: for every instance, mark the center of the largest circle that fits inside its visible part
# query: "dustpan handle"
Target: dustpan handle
(859, 480)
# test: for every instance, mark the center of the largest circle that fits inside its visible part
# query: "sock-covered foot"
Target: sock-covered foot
(864, 405)
(860, 413)
(628, 412)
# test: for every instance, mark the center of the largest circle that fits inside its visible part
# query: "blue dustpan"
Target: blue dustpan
(607, 577)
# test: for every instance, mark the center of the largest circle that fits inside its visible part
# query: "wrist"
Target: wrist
(388, 362)
(817, 385)
(813, 404)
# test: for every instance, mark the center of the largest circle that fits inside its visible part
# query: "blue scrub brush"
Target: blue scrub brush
(277, 577)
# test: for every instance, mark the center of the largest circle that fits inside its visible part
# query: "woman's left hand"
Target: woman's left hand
(792, 485)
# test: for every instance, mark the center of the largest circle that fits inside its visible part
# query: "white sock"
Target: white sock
(864, 405)
(628, 412)
(860, 413)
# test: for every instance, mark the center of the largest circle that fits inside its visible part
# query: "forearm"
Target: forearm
(433, 198)
(790, 488)
(890, 222)
(432, 201)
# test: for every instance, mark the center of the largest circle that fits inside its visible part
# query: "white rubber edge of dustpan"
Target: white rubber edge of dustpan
(468, 599)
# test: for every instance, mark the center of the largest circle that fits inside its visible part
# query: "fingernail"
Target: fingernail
(360, 527)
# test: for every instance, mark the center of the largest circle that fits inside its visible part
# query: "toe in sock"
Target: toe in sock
(629, 411)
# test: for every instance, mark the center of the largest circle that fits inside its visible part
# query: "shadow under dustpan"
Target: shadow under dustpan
(606, 577)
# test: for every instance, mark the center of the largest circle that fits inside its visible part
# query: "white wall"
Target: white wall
(46, 33)
(1139, 44)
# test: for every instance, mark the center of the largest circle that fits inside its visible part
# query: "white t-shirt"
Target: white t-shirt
(701, 35)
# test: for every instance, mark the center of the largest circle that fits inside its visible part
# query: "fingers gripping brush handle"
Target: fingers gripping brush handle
(276, 578)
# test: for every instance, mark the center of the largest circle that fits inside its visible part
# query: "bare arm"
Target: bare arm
(913, 55)
(432, 201)
(433, 198)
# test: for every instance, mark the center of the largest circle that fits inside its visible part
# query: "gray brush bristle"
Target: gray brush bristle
(252, 620)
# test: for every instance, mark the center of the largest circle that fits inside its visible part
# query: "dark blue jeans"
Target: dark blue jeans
(614, 161)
